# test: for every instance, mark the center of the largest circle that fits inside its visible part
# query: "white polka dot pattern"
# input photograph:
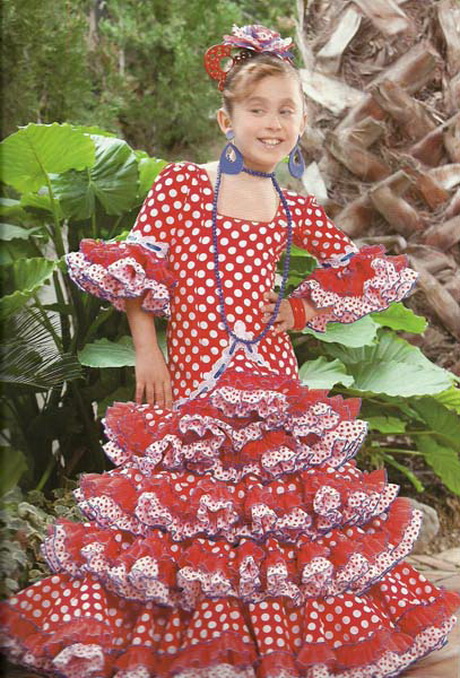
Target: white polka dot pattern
(235, 536)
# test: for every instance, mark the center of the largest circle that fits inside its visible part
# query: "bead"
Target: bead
(287, 259)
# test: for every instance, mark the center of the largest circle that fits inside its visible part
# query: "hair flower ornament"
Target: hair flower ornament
(260, 39)
(250, 41)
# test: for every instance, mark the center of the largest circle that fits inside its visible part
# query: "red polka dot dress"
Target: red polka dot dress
(235, 537)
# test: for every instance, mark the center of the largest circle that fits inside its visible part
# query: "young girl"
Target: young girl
(235, 537)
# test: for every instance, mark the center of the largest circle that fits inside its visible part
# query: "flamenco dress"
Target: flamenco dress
(235, 537)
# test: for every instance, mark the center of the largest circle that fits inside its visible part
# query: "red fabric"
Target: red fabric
(235, 533)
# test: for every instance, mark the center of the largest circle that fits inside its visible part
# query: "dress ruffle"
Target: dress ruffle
(324, 638)
(116, 271)
(267, 427)
(366, 282)
(235, 538)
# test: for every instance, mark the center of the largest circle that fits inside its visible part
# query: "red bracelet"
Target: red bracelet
(298, 311)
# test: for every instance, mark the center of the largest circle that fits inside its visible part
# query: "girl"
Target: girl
(235, 537)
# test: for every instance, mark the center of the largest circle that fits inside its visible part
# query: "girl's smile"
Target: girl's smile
(267, 123)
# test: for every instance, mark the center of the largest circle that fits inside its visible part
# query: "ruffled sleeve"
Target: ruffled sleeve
(138, 266)
(349, 282)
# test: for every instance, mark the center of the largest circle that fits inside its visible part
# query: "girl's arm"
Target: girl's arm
(153, 381)
(348, 282)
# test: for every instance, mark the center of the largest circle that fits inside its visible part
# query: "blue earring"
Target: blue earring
(231, 161)
(296, 162)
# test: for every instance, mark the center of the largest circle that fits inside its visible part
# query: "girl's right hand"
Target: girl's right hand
(153, 381)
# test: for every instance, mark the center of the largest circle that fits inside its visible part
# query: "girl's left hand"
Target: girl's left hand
(285, 318)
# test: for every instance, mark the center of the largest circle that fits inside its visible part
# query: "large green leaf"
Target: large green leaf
(443, 460)
(42, 201)
(398, 317)
(105, 353)
(12, 208)
(450, 398)
(12, 232)
(392, 366)
(149, 168)
(360, 333)
(387, 424)
(441, 420)
(27, 276)
(112, 180)
(35, 151)
(321, 373)
(397, 379)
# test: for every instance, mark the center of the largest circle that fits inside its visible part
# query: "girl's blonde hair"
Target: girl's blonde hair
(244, 77)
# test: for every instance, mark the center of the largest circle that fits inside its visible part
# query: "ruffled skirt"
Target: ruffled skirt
(234, 538)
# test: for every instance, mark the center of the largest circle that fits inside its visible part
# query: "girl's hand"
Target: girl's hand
(285, 318)
(153, 381)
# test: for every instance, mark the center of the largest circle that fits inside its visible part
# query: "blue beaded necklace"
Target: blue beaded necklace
(237, 339)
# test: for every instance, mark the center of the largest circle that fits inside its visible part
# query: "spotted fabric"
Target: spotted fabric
(235, 537)
(174, 225)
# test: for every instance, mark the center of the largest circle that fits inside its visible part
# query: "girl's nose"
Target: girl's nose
(274, 122)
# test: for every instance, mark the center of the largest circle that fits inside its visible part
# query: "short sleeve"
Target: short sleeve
(138, 266)
(349, 282)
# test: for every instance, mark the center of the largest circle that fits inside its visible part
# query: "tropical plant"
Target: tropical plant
(412, 406)
(62, 183)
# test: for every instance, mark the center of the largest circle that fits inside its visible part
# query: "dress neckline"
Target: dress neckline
(226, 216)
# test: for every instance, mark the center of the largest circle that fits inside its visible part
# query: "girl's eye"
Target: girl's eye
(287, 111)
(256, 110)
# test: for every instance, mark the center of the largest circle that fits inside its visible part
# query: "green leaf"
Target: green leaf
(30, 360)
(321, 373)
(387, 424)
(393, 367)
(12, 232)
(450, 398)
(42, 201)
(149, 168)
(398, 317)
(12, 208)
(35, 151)
(396, 379)
(389, 459)
(440, 419)
(94, 129)
(302, 264)
(105, 353)
(112, 180)
(443, 460)
(12, 464)
(28, 276)
(360, 333)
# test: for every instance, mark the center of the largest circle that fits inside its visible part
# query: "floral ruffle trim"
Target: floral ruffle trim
(367, 282)
(116, 271)
(257, 428)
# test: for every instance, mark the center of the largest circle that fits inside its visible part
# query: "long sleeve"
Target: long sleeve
(138, 266)
(348, 282)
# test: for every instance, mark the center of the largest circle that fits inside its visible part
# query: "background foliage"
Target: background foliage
(134, 68)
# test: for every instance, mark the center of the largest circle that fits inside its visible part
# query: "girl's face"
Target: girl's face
(266, 123)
